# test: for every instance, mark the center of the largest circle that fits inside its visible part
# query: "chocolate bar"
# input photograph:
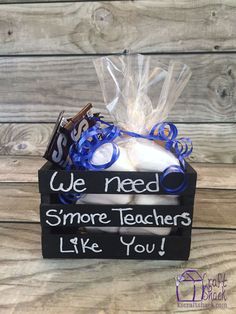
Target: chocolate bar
(65, 133)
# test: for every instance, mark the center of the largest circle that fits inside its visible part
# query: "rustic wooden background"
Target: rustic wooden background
(46, 53)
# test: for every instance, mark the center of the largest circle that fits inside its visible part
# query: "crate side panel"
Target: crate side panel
(110, 182)
(56, 215)
(115, 247)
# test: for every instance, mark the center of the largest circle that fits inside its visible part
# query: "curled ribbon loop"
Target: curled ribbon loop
(183, 147)
(170, 170)
(82, 152)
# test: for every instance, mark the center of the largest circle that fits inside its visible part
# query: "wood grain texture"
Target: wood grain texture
(30, 284)
(21, 169)
(111, 27)
(40, 1)
(219, 176)
(213, 208)
(24, 139)
(19, 202)
(213, 143)
(34, 89)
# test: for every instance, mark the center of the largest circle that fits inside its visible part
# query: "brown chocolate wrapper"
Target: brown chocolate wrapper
(65, 133)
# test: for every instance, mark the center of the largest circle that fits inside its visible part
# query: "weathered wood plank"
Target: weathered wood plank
(34, 88)
(20, 169)
(213, 143)
(219, 176)
(32, 285)
(31, 139)
(109, 27)
(213, 208)
(41, 1)
(34, 1)
(24, 169)
(24, 139)
(19, 202)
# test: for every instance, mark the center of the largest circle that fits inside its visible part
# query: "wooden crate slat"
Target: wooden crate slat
(115, 246)
(56, 215)
(54, 180)
(112, 27)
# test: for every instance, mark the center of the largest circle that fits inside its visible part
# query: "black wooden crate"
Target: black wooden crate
(63, 236)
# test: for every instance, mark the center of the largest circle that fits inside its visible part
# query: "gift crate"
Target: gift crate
(63, 225)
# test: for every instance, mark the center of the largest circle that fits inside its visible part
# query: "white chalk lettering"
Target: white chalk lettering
(93, 247)
(131, 218)
(144, 220)
(80, 245)
(137, 248)
(136, 183)
(56, 217)
(108, 181)
(155, 183)
(73, 184)
(121, 210)
(70, 218)
(127, 217)
(61, 247)
(168, 220)
(128, 185)
(159, 219)
(126, 182)
(52, 214)
(186, 216)
(127, 244)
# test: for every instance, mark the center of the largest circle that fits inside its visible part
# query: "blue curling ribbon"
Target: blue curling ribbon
(69, 198)
(82, 151)
(170, 170)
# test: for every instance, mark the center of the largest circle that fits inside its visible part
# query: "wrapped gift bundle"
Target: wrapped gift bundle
(120, 187)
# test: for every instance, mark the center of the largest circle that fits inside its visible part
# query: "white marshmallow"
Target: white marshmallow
(147, 155)
(162, 231)
(156, 200)
(103, 155)
(105, 199)
(103, 229)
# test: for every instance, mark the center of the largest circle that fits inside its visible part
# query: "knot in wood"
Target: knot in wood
(223, 86)
(103, 18)
(5, 32)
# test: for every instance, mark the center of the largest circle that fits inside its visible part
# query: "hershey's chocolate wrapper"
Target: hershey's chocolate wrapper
(65, 133)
